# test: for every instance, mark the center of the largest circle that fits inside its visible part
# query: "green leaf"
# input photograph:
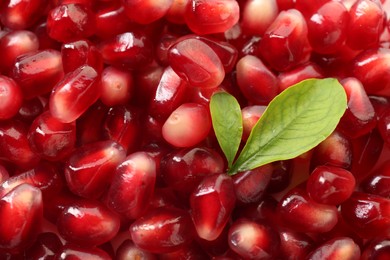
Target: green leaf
(294, 122)
(227, 123)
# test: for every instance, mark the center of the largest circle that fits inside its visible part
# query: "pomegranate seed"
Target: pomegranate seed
(23, 205)
(78, 53)
(250, 185)
(377, 183)
(162, 230)
(188, 125)
(251, 240)
(56, 203)
(70, 22)
(377, 249)
(301, 213)
(308, 7)
(383, 125)
(342, 247)
(330, 185)
(285, 4)
(256, 81)
(89, 169)
(117, 86)
(366, 24)
(250, 116)
(50, 138)
(132, 186)
(11, 97)
(193, 251)
(45, 247)
(21, 14)
(211, 205)
(4, 175)
(184, 169)
(211, 16)
(295, 245)
(281, 176)
(145, 12)
(285, 40)
(127, 250)
(176, 11)
(129, 50)
(31, 108)
(368, 215)
(38, 72)
(252, 22)
(87, 223)
(197, 63)
(108, 16)
(74, 252)
(217, 246)
(45, 42)
(72, 96)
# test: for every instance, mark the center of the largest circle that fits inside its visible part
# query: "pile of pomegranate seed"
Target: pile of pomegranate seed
(107, 149)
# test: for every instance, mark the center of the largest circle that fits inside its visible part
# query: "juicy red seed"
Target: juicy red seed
(31, 108)
(252, 240)
(257, 83)
(383, 125)
(37, 72)
(89, 169)
(211, 210)
(308, 7)
(14, 44)
(366, 24)
(21, 14)
(281, 176)
(176, 12)
(46, 246)
(162, 230)
(74, 252)
(78, 53)
(250, 116)
(87, 223)
(377, 249)
(132, 186)
(4, 175)
(72, 96)
(252, 22)
(108, 16)
(145, 12)
(250, 185)
(338, 248)
(70, 22)
(50, 138)
(301, 213)
(295, 245)
(128, 50)
(378, 182)
(117, 86)
(127, 250)
(192, 251)
(11, 97)
(197, 63)
(368, 215)
(211, 16)
(330, 185)
(188, 125)
(285, 41)
(23, 205)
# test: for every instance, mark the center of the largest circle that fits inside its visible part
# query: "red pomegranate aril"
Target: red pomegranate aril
(176, 11)
(250, 186)
(127, 250)
(117, 86)
(122, 125)
(377, 249)
(45, 42)
(368, 215)
(330, 185)
(50, 138)
(31, 108)
(14, 145)
(383, 125)
(14, 44)
(78, 53)
(74, 252)
(307, 7)
(192, 251)
(168, 95)
(146, 12)
(252, 22)
(89, 169)
(187, 126)
(132, 185)
(217, 246)
(108, 16)
(22, 205)
(165, 197)
(88, 223)
(130, 50)
(380, 104)
(252, 240)
(11, 97)
(184, 169)
(327, 27)
(285, 41)
(301, 213)
(4, 175)
(295, 245)
(211, 16)
(197, 63)
(366, 24)
(21, 14)
(37, 72)
(56, 203)
(378, 182)
(212, 203)
(359, 118)
(371, 67)
(45, 247)
(70, 22)
(72, 96)
(281, 176)
(250, 116)
(258, 84)
(162, 230)
(285, 4)
(338, 248)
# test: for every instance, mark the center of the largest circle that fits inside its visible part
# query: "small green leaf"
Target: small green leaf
(227, 123)
(294, 122)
